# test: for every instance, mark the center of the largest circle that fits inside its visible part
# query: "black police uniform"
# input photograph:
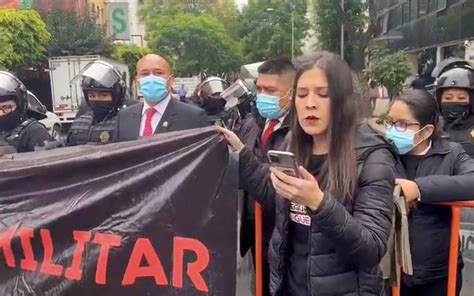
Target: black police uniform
(214, 93)
(17, 130)
(457, 119)
(97, 125)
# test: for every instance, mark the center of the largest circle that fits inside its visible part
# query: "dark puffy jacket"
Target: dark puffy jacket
(446, 173)
(347, 240)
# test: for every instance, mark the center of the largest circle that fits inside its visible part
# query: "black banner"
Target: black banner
(151, 217)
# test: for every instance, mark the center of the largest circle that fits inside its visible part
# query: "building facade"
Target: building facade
(96, 9)
(429, 30)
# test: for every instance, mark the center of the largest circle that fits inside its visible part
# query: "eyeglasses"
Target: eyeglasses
(6, 108)
(399, 125)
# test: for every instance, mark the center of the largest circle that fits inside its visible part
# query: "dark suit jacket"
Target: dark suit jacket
(179, 116)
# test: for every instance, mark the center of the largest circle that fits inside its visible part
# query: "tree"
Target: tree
(24, 38)
(388, 69)
(129, 54)
(152, 8)
(75, 35)
(360, 25)
(6, 50)
(266, 34)
(225, 10)
(327, 24)
(194, 44)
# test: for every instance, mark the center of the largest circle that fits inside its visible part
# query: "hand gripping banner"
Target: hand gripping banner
(157, 216)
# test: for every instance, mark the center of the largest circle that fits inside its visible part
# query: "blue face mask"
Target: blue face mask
(153, 88)
(269, 106)
(403, 141)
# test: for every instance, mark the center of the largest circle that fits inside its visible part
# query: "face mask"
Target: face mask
(403, 141)
(213, 106)
(9, 121)
(454, 111)
(153, 88)
(101, 110)
(269, 106)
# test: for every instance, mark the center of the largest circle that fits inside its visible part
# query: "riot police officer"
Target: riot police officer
(17, 129)
(104, 91)
(207, 95)
(455, 94)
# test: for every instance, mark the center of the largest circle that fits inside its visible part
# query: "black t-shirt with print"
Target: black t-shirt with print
(298, 241)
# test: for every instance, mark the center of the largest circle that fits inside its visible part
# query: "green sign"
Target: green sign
(26, 4)
(118, 24)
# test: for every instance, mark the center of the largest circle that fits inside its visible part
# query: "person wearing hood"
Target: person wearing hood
(18, 130)
(104, 90)
(432, 171)
(455, 94)
(332, 223)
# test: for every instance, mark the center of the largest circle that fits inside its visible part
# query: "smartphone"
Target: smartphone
(283, 161)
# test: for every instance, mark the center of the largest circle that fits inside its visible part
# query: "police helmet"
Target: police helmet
(455, 75)
(11, 88)
(102, 76)
(209, 94)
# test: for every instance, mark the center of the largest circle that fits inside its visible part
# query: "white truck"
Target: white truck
(67, 96)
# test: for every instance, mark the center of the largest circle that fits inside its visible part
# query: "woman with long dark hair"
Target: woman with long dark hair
(333, 222)
(433, 171)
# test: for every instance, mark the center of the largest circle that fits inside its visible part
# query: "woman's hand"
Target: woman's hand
(410, 190)
(232, 138)
(304, 190)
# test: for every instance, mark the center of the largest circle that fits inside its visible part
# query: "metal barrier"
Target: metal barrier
(456, 208)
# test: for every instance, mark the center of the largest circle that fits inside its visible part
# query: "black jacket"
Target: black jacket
(347, 240)
(446, 173)
(27, 136)
(462, 134)
(251, 135)
(178, 116)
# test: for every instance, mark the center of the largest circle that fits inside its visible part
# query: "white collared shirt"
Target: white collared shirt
(278, 125)
(160, 108)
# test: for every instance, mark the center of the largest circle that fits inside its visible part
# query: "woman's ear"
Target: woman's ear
(428, 131)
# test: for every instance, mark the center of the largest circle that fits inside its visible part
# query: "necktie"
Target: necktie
(268, 132)
(148, 130)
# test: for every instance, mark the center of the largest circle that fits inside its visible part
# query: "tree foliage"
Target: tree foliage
(265, 34)
(23, 40)
(194, 44)
(327, 24)
(129, 54)
(225, 10)
(75, 35)
(388, 69)
(360, 25)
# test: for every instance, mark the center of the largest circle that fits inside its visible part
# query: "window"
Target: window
(35, 104)
(406, 12)
(414, 9)
(395, 17)
(442, 4)
(422, 8)
(432, 6)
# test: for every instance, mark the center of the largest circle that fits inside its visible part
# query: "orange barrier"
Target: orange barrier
(456, 208)
(258, 251)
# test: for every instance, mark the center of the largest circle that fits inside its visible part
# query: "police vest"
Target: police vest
(83, 131)
(15, 138)
(464, 137)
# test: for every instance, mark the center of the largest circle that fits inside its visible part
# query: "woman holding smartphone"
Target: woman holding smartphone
(434, 171)
(333, 222)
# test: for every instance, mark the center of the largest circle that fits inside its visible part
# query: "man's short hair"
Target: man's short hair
(277, 66)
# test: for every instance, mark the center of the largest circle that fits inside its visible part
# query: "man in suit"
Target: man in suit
(159, 113)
